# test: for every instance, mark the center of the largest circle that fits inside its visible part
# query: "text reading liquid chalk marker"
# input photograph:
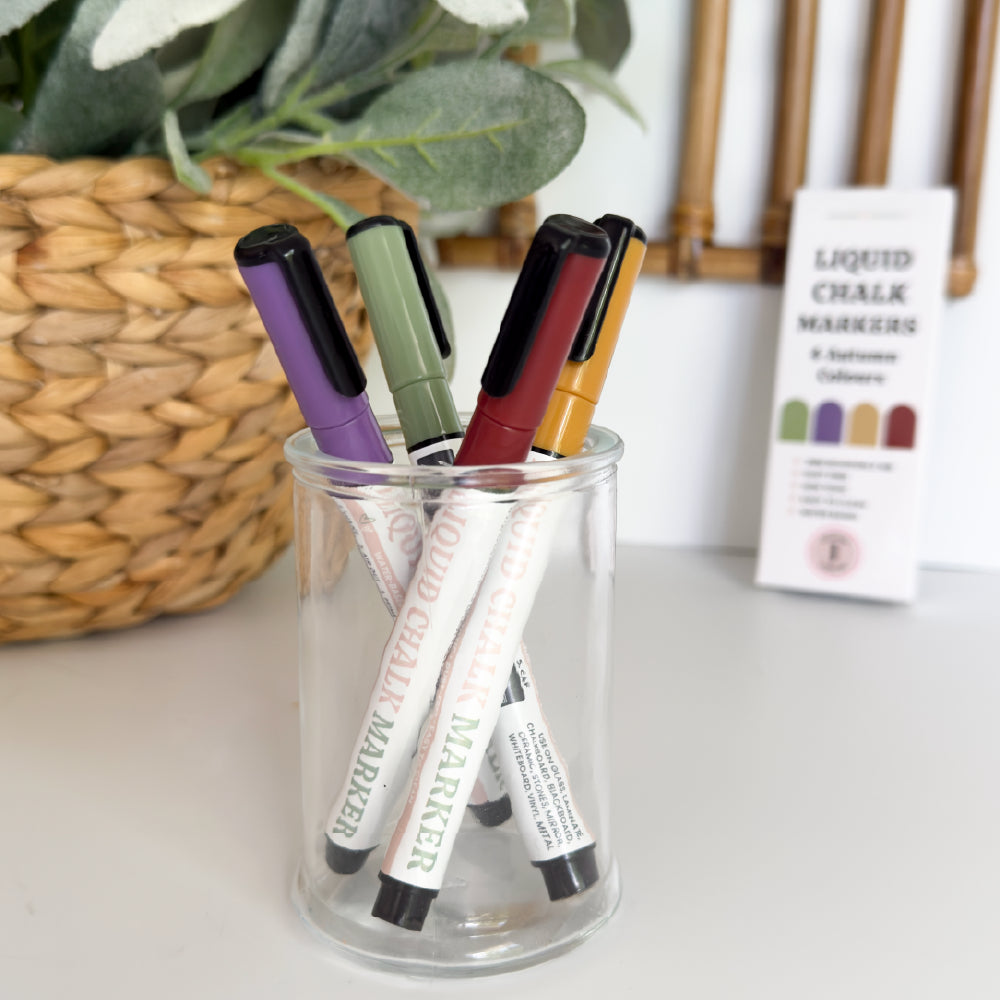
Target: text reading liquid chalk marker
(534, 341)
(412, 872)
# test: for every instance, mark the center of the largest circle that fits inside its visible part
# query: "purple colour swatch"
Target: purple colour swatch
(829, 423)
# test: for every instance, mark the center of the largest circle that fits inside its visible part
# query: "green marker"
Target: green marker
(409, 334)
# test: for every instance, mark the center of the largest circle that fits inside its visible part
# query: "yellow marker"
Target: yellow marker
(564, 427)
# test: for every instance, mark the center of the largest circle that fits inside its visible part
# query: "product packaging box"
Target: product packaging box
(863, 303)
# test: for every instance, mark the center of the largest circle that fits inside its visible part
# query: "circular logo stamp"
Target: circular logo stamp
(834, 552)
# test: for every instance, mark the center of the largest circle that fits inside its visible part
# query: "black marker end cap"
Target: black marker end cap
(492, 813)
(344, 860)
(402, 904)
(569, 874)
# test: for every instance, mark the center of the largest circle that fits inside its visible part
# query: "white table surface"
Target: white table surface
(806, 802)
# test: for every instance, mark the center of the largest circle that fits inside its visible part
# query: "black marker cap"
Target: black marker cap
(345, 860)
(621, 232)
(402, 904)
(556, 238)
(419, 271)
(569, 874)
(285, 246)
(493, 813)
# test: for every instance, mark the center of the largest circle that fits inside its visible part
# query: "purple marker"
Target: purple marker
(288, 289)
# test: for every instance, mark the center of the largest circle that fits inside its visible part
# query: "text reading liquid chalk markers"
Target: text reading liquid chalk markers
(563, 270)
(545, 311)
(409, 334)
(412, 345)
(465, 711)
(288, 290)
(471, 690)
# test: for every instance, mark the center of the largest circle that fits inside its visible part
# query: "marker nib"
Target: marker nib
(344, 860)
(492, 813)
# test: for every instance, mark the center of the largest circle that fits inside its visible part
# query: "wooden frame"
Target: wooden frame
(690, 252)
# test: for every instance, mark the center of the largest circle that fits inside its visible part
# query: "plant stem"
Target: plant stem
(29, 76)
(297, 108)
(328, 205)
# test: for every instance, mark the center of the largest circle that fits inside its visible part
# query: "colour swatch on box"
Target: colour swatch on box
(831, 422)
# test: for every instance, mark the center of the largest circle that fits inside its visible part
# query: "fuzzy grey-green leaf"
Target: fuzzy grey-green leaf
(489, 14)
(79, 110)
(360, 33)
(15, 14)
(240, 43)
(603, 31)
(548, 19)
(137, 26)
(595, 77)
(467, 134)
(296, 51)
(189, 173)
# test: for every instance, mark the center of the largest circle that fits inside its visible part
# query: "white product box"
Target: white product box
(864, 289)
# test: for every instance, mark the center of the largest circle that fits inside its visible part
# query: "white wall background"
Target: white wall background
(690, 390)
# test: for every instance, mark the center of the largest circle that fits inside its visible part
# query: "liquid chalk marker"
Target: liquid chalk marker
(557, 840)
(562, 432)
(457, 549)
(548, 304)
(409, 334)
(412, 345)
(287, 288)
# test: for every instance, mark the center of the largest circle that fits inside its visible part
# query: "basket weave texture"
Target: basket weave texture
(142, 409)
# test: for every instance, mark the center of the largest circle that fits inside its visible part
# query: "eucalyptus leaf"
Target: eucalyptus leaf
(595, 77)
(136, 26)
(603, 32)
(11, 122)
(360, 33)
(10, 72)
(449, 34)
(550, 20)
(296, 51)
(467, 134)
(343, 214)
(15, 14)
(489, 14)
(239, 44)
(187, 171)
(79, 110)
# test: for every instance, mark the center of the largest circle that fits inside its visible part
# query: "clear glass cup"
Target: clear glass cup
(414, 584)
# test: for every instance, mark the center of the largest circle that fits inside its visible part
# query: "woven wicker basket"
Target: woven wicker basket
(142, 410)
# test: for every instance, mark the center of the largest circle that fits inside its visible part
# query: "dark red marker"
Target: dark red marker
(553, 289)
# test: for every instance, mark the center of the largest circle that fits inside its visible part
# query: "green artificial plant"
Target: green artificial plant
(414, 91)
